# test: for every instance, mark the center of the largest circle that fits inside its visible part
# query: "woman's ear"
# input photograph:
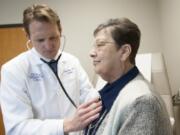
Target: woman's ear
(125, 51)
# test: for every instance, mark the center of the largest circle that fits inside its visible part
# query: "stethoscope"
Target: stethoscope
(55, 73)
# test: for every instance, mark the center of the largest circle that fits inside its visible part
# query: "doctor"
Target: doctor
(33, 99)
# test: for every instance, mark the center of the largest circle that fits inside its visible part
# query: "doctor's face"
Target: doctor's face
(45, 38)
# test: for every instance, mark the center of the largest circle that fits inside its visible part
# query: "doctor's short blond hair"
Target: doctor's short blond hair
(41, 13)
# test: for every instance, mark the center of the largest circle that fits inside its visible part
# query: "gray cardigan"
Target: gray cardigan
(138, 110)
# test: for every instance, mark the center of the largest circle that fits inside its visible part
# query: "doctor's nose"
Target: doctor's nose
(49, 44)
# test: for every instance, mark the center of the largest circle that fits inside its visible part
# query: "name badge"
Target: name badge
(36, 76)
(68, 71)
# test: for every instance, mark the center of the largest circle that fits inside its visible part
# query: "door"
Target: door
(12, 42)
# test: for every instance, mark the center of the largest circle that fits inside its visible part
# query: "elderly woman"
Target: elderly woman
(130, 105)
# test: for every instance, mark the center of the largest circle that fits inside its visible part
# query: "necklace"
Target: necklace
(95, 126)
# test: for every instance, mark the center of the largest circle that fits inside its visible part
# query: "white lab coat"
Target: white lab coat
(32, 100)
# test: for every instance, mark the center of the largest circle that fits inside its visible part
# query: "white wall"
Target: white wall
(170, 22)
(80, 17)
(159, 21)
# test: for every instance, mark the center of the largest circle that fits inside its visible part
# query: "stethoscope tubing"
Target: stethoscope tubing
(58, 78)
(64, 90)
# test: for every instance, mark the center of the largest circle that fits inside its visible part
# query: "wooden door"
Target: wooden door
(2, 131)
(12, 42)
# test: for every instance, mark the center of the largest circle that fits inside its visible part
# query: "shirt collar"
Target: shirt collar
(111, 91)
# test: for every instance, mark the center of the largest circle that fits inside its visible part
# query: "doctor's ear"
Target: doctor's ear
(125, 51)
(28, 44)
(25, 32)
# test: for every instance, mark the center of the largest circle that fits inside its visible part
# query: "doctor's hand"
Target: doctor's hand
(85, 114)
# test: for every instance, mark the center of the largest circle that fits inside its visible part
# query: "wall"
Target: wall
(170, 24)
(79, 19)
(158, 20)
